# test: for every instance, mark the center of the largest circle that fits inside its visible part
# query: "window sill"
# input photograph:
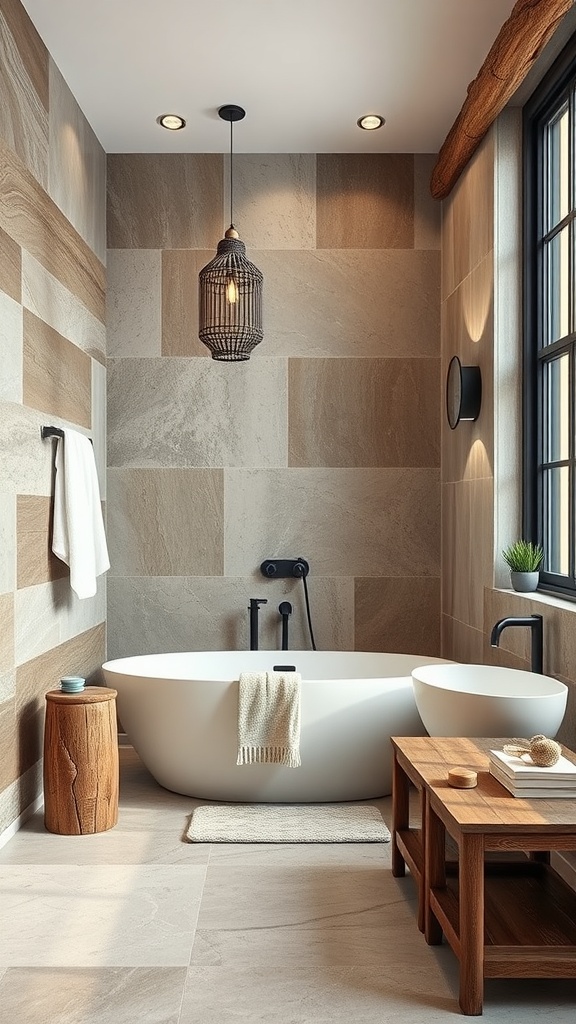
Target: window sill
(541, 597)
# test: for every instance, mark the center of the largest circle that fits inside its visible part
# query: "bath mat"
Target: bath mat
(287, 823)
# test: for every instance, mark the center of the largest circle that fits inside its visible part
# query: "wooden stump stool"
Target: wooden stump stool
(80, 761)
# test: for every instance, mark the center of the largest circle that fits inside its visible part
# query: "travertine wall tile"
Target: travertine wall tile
(33, 220)
(134, 302)
(7, 686)
(35, 561)
(165, 522)
(164, 200)
(56, 374)
(50, 614)
(175, 413)
(26, 462)
(7, 541)
(23, 92)
(76, 166)
(461, 642)
(398, 615)
(153, 614)
(364, 412)
(468, 218)
(350, 303)
(10, 267)
(427, 211)
(83, 655)
(45, 296)
(10, 349)
(98, 429)
(347, 522)
(9, 767)
(365, 201)
(274, 200)
(18, 796)
(180, 290)
(468, 545)
(6, 633)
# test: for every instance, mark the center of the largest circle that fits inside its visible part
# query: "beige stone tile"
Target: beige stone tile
(147, 508)
(23, 84)
(468, 545)
(350, 302)
(274, 199)
(7, 632)
(164, 200)
(7, 541)
(363, 412)
(196, 412)
(427, 211)
(7, 686)
(89, 995)
(99, 425)
(468, 332)
(26, 462)
(10, 267)
(9, 766)
(35, 561)
(82, 655)
(149, 615)
(32, 219)
(45, 296)
(56, 374)
(19, 795)
(180, 269)
(468, 218)
(76, 166)
(50, 613)
(364, 201)
(11, 348)
(347, 522)
(401, 615)
(461, 642)
(138, 917)
(134, 303)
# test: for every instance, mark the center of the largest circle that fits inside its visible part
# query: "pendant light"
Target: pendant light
(230, 287)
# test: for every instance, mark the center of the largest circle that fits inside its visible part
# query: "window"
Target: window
(550, 323)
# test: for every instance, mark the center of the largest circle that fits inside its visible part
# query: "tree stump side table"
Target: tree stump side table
(81, 761)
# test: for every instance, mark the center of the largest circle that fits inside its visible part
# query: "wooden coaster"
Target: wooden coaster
(462, 778)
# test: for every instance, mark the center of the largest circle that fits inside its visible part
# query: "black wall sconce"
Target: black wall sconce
(463, 392)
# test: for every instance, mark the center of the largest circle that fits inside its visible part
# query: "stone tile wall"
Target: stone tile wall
(52, 369)
(324, 445)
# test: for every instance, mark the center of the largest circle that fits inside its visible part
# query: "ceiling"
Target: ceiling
(304, 70)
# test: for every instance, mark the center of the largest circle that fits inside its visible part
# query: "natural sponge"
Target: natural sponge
(542, 751)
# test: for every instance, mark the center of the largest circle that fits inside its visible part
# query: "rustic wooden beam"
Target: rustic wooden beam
(515, 49)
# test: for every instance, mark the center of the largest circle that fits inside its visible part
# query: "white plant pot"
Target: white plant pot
(524, 582)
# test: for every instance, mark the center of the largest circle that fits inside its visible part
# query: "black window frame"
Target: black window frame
(558, 85)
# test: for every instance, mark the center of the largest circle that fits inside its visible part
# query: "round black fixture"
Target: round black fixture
(463, 392)
(231, 112)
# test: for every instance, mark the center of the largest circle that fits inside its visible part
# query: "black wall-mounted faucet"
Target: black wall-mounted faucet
(255, 603)
(536, 625)
(285, 609)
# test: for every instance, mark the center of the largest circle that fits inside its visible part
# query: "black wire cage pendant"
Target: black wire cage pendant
(230, 288)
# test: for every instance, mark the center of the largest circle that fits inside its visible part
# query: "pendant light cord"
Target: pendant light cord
(231, 173)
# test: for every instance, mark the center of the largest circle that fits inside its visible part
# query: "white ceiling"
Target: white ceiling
(304, 70)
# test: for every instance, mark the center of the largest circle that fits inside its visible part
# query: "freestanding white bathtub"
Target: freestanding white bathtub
(180, 712)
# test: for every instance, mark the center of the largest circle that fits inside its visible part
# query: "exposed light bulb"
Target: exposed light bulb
(231, 290)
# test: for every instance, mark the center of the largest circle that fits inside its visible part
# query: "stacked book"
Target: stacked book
(523, 778)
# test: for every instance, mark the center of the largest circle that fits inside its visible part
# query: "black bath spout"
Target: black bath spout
(535, 624)
(255, 603)
(285, 609)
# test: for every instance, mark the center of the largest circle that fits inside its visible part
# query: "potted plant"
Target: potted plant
(524, 560)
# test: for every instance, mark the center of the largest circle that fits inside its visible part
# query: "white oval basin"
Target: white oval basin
(487, 700)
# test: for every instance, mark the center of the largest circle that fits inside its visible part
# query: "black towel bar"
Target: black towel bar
(55, 432)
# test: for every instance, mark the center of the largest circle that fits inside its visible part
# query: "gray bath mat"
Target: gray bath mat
(287, 823)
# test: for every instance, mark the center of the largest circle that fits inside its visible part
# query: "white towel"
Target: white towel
(269, 718)
(78, 537)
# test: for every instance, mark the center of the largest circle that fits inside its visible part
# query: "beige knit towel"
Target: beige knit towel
(269, 718)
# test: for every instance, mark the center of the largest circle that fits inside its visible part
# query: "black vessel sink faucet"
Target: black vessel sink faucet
(535, 624)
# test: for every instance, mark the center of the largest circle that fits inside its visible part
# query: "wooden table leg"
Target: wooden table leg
(471, 900)
(434, 871)
(400, 813)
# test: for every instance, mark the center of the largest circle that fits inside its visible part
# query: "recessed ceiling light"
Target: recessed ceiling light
(370, 121)
(171, 121)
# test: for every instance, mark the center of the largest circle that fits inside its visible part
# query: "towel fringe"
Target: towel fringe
(287, 756)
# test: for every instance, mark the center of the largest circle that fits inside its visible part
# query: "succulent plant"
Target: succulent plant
(523, 556)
